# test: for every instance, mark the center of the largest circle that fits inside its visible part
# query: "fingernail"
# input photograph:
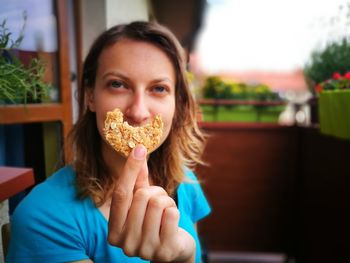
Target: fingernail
(139, 152)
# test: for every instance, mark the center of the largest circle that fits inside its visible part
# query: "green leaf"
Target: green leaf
(19, 83)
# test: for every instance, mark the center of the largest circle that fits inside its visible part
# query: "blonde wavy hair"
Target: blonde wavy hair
(184, 144)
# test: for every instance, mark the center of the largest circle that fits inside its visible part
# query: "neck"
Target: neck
(115, 161)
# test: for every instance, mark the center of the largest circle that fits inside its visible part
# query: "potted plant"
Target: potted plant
(19, 83)
(328, 76)
(334, 105)
(323, 63)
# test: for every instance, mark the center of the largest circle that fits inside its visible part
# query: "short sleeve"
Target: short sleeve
(199, 206)
(39, 234)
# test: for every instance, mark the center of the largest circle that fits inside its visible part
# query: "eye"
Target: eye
(160, 89)
(116, 84)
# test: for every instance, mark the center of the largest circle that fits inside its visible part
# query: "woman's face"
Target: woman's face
(139, 79)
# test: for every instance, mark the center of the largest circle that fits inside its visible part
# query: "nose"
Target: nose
(137, 112)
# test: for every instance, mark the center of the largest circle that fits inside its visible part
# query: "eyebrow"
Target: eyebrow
(166, 79)
(123, 76)
(114, 73)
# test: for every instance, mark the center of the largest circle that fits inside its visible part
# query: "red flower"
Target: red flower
(347, 75)
(336, 75)
(318, 88)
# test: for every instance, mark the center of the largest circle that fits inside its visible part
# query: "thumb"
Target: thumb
(142, 178)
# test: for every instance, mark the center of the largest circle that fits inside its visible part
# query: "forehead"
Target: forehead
(135, 55)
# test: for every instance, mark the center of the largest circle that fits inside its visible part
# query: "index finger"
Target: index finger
(142, 177)
(132, 168)
(123, 193)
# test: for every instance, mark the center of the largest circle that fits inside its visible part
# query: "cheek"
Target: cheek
(168, 121)
(100, 119)
(101, 111)
(103, 105)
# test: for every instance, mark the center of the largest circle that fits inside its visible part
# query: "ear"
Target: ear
(90, 99)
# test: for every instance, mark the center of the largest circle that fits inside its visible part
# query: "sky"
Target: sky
(269, 35)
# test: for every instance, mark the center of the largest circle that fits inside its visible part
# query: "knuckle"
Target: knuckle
(113, 239)
(141, 194)
(172, 203)
(156, 202)
(159, 189)
(145, 252)
(159, 202)
(173, 213)
(130, 248)
(129, 251)
(165, 255)
(120, 194)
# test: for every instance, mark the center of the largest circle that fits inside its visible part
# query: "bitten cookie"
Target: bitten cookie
(124, 137)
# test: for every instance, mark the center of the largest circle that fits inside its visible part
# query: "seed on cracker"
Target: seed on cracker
(131, 144)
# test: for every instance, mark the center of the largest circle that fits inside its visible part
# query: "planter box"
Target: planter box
(241, 113)
(334, 113)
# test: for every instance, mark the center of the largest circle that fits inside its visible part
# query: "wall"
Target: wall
(100, 15)
(277, 189)
(323, 199)
(121, 11)
(249, 183)
(186, 28)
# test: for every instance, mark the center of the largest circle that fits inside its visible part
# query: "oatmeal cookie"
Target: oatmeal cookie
(124, 137)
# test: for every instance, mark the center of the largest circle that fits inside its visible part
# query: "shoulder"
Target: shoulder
(189, 174)
(64, 179)
(192, 197)
(60, 185)
(191, 185)
(49, 197)
(49, 216)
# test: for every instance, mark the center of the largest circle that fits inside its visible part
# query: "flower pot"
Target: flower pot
(334, 113)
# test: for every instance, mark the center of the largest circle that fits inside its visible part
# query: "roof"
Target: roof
(277, 81)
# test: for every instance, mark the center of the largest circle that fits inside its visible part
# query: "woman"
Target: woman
(108, 208)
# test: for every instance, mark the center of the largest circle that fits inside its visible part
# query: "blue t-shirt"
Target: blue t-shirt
(52, 225)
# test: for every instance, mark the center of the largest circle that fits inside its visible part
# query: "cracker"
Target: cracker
(124, 137)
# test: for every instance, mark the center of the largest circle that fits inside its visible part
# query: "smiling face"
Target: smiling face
(138, 78)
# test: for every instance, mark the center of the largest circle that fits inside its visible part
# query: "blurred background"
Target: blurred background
(272, 83)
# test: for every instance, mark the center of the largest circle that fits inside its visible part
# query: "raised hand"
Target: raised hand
(144, 219)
